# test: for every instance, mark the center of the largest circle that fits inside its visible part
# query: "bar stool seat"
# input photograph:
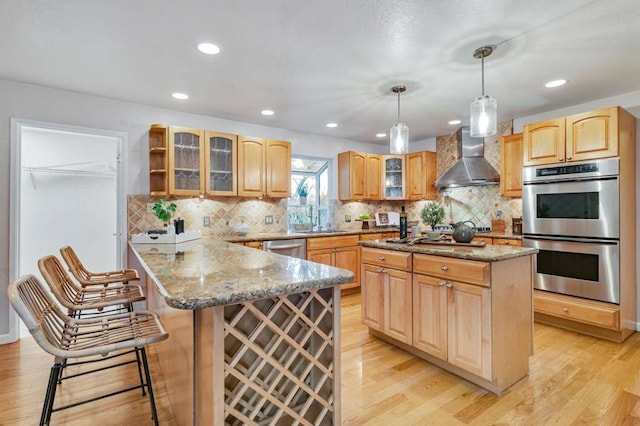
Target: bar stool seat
(76, 298)
(86, 277)
(96, 338)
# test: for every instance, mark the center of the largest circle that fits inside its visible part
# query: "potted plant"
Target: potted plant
(163, 210)
(303, 191)
(432, 214)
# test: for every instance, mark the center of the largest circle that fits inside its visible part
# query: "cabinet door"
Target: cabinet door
(352, 179)
(374, 177)
(221, 164)
(507, 242)
(278, 168)
(324, 256)
(372, 296)
(430, 315)
(421, 176)
(186, 161)
(544, 142)
(398, 306)
(511, 158)
(348, 258)
(251, 166)
(592, 135)
(394, 177)
(469, 328)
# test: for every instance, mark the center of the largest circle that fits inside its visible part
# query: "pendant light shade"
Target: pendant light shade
(484, 109)
(399, 139)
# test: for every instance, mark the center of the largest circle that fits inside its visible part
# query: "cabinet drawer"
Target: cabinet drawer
(388, 258)
(368, 237)
(507, 242)
(469, 271)
(486, 240)
(332, 242)
(587, 312)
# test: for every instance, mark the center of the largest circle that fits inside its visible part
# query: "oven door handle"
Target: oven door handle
(570, 239)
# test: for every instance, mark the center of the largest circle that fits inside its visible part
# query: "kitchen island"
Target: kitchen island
(254, 336)
(467, 309)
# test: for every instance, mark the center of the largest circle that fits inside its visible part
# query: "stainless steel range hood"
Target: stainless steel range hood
(471, 168)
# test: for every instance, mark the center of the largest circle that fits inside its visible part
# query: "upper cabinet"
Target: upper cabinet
(192, 162)
(421, 176)
(364, 176)
(393, 180)
(352, 175)
(186, 161)
(511, 165)
(264, 167)
(578, 137)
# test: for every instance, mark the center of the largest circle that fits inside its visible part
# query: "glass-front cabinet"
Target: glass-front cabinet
(186, 161)
(221, 163)
(394, 177)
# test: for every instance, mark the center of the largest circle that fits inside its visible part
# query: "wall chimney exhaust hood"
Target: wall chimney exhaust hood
(471, 168)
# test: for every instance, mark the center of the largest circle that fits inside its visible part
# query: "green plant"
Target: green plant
(164, 209)
(432, 213)
(303, 188)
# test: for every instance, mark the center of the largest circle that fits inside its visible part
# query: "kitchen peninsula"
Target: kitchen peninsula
(254, 336)
(467, 309)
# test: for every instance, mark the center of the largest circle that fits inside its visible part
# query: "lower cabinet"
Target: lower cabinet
(341, 252)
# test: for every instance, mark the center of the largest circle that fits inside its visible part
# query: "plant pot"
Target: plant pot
(303, 201)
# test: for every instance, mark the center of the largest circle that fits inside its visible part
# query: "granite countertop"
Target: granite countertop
(212, 272)
(488, 253)
(267, 236)
(505, 235)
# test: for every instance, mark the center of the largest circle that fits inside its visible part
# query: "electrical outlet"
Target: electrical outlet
(347, 218)
(268, 220)
(206, 221)
(149, 207)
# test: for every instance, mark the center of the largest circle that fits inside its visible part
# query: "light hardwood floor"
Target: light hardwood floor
(574, 379)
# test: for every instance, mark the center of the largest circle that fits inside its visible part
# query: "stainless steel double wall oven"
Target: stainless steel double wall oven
(571, 214)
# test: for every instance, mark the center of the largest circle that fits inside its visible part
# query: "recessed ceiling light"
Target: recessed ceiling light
(267, 112)
(555, 83)
(332, 125)
(181, 96)
(209, 48)
(453, 122)
(380, 135)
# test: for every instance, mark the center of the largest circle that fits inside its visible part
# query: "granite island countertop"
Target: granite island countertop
(487, 253)
(211, 272)
(267, 236)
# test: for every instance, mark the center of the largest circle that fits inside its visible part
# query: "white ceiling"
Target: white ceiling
(316, 61)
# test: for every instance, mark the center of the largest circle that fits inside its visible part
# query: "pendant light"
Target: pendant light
(399, 140)
(484, 108)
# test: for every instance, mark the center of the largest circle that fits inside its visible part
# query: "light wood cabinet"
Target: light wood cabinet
(186, 161)
(158, 160)
(421, 176)
(586, 136)
(506, 242)
(386, 293)
(340, 251)
(352, 175)
(511, 161)
(221, 163)
(430, 315)
(394, 177)
(486, 240)
(254, 244)
(264, 167)
(373, 172)
(380, 236)
(588, 312)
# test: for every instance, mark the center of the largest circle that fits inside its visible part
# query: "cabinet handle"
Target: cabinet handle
(381, 258)
(560, 159)
(337, 250)
(565, 310)
(449, 285)
(445, 268)
(569, 158)
(382, 271)
(442, 283)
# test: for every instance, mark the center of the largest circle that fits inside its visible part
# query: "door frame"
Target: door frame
(14, 196)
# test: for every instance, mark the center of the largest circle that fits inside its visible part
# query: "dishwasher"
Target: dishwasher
(294, 248)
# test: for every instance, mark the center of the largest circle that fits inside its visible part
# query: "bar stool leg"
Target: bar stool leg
(142, 384)
(50, 396)
(152, 400)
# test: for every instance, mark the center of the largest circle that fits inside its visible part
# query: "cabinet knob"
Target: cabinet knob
(569, 158)
(445, 268)
(442, 283)
(381, 258)
(565, 310)
(382, 271)
(449, 285)
(337, 250)
(560, 159)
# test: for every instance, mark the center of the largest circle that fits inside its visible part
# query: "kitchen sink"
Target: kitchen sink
(322, 231)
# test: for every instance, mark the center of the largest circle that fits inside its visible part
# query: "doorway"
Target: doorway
(67, 189)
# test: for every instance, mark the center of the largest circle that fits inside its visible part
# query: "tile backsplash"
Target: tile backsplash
(478, 204)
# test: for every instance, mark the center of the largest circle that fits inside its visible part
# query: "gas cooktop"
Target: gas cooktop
(449, 228)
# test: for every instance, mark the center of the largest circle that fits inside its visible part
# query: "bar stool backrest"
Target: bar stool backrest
(61, 284)
(75, 266)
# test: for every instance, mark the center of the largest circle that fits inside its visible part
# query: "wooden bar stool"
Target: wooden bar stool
(98, 339)
(76, 298)
(86, 277)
